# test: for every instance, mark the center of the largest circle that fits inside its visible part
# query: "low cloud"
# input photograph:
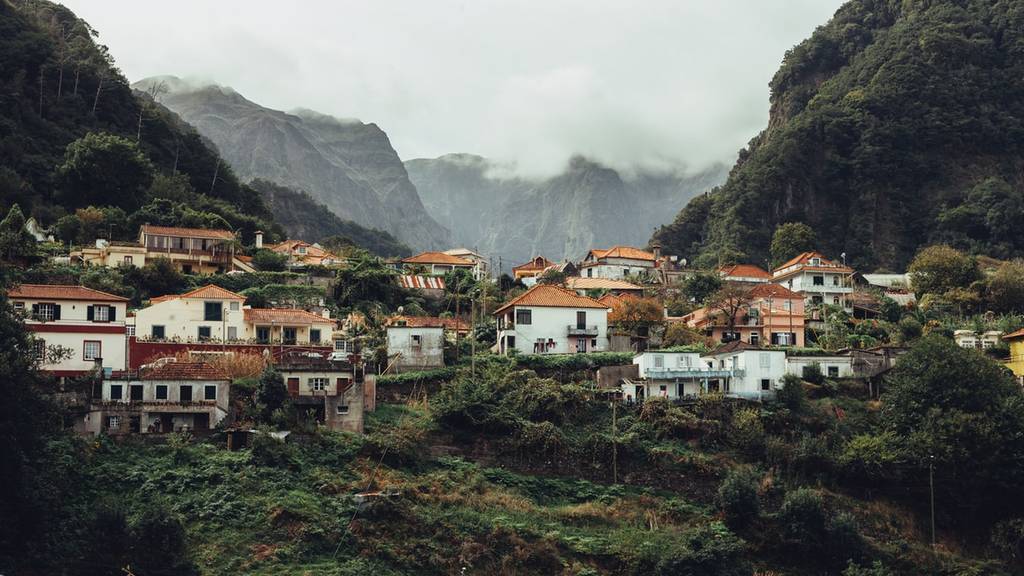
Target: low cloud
(660, 84)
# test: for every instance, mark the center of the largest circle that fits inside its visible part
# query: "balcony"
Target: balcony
(688, 373)
(581, 330)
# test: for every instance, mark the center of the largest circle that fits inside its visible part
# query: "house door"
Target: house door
(755, 339)
(293, 386)
(290, 335)
(166, 424)
(639, 392)
(581, 344)
(201, 421)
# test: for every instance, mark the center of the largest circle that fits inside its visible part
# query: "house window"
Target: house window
(262, 334)
(45, 312)
(128, 260)
(590, 272)
(835, 300)
(213, 311)
(787, 305)
(833, 371)
(755, 339)
(289, 335)
(314, 335)
(302, 250)
(185, 393)
(524, 316)
(113, 423)
(233, 306)
(91, 350)
(817, 299)
(19, 307)
(129, 330)
(204, 333)
(157, 332)
(186, 269)
(161, 391)
(210, 392)
(318, 384)
(100, 313)
(116, 391)
(232, 333)
(815, 261)
(835, 280)
(581, 319)
(593, 344)
(135, 392)
(510, 342)
(818, 280)
(659, 361)
(342, 409)
(683, 361)
(39, 347)
(417, 341)
(766, 384)
(341, 345)
(625, 271)
(766, 360)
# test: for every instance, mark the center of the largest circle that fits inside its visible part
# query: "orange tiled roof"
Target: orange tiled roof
(430, 322)
(187, 232)
(183, 371)
(774, 291)
(805, 259)
(283, 316)
(1014, 335)
(581, 283)
(744, 271)
(210, 291)
(545, 295)
(437, 258)
(538, 263)
(623, 252)
(62, 292)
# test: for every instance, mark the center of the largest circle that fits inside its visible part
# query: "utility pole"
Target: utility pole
(931, 489)
(472, 337)
(457, 287)
(615, 443)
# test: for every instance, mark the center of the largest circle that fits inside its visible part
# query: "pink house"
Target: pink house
(771, 315)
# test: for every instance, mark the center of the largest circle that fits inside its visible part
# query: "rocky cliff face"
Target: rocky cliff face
(586, 206)
(347, 165)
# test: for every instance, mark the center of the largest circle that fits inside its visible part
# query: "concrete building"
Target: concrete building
(167, 396)
(582, 286)
(549, 319)
(337, 392)
(301, 253)
(483, 266)
(820, 280)
(672, 375)
(415, 343)
(617, 262)
(439, 263)
(111, 254)
(531, 269)
(1016, 360)
(755, 373)
(88, 325)
(745, 273)
(978, 340)
(769, 314)
(831, 365)
(193, 250)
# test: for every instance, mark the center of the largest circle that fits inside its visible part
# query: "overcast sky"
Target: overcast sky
(640, 82)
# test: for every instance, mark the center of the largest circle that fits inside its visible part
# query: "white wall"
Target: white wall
(795, 365)
(430, 353)
(616, 268)
(182, 317)
(72, 330)
(648, 362)
(757, 365)
(553, 323)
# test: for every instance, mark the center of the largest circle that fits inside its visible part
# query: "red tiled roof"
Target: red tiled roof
(430, 322)
(581, 283)
(62, 292)
(744, 271)
(210, 291)
(734, 346)
(187, 232)
(421, 282)
(283, 316)
(623, 252)
(1014, 335)
(774, 291)
(545, 295)
(182, 371)
(805, 259)
(437, 258)
(538, 263)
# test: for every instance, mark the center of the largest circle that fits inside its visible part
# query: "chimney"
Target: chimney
(259, 239)
(657, 250)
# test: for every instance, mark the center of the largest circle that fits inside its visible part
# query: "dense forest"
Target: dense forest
(894, 125)
(73, 134)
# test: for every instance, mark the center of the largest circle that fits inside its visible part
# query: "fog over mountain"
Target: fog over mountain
(653, 84)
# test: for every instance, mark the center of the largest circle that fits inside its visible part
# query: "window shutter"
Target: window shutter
(56, 311)
(90, 314)
(112, 315)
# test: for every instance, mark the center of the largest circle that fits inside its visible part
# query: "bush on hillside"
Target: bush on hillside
(738, 497)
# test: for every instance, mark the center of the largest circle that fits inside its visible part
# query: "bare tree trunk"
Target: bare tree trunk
(60, 80)
(138, 133)
(96, 100)
(78, 71)
(177, 144)
(215, 172)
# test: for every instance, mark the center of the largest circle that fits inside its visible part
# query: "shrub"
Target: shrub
(802, 519)
(159, 544)
(669, 420)
(876, 569)
(738, 497)
(271, 394)
(812, 373)
(711, 550)
(272, 452)
(792, 394)
(747, 432)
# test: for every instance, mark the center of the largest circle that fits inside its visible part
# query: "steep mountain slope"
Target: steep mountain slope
(306, 219)
(57, 85)
(587, 205)
(347, 165)
(896, 124)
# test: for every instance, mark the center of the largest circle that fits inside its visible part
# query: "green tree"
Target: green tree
(738, 497)
(270, 261)
(792, 394)
(552, 277)
(791, 239)
(271, 394)
(699, 287)
(939, 269)
(104, 169)
(17, 246)
(1006, 287)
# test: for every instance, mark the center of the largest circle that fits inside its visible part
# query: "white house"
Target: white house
(483, 265)
(667, 374)
(972, 339)
(440, 263)
(617, 262)
(755, 372)
(336, 391)
(745, 273)
(87, 323)
(831, 365)
(550, 319)
(213, 314)
(819, 279)
(416, 343)
(167, 396)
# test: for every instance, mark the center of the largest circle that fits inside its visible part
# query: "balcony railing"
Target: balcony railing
(672, 373)
(581, 330)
